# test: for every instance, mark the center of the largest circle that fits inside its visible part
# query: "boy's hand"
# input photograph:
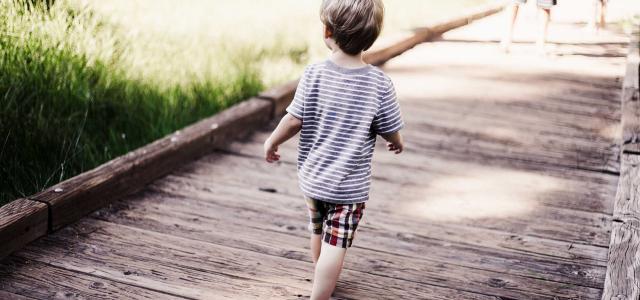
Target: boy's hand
(271, 152)
(394, 142)
(397, 148)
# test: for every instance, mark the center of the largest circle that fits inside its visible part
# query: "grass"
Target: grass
(83, 81)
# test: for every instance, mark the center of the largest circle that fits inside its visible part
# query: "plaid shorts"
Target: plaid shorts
(541, 3)
(340, 221)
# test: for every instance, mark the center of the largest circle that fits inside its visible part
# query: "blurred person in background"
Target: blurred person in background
(598, 16)
(511, 11)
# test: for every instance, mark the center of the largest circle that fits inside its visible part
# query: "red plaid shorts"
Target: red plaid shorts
(340, 221)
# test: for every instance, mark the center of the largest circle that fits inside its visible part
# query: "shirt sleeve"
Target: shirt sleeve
(388, 119)
(296, 108)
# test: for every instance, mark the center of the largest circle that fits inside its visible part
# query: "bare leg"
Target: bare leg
(511, 13)
(314, 243)
(544, 26)
(603, 14)
(327, 271)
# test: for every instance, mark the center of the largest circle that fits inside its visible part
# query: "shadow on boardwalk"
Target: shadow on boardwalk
(505, 191)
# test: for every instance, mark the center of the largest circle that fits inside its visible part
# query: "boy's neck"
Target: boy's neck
(345, 60)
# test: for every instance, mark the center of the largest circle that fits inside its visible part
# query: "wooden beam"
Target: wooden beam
(631, 100)
(21, 221)
(623, 272)
(74, 198)
(281, 96)
(623, 268)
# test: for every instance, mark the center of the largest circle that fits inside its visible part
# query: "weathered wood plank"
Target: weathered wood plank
(288, 241)
(631, 98)
(42, 281)
(627, 200)
(159, 261)
(21, 221)
(10, 296)
(553, 223)
(74, 198)
(623, 272)
(482, 249)
(590, 191)
(281, 96)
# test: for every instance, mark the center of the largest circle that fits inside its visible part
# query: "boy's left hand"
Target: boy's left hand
(271, 152)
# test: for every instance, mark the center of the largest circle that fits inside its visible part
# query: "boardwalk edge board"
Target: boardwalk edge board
(622, 280)
(631, 100)
(72, 199)
(21, 221)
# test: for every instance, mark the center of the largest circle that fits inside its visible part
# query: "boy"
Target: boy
(339, 107)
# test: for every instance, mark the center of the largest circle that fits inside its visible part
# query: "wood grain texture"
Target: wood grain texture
(21, 221)
(10, 296)
(40, 280)
(631, 98)
(241, 228)
(623, 271)
(76, 197)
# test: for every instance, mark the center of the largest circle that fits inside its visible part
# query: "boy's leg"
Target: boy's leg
(327, 271)
(315, 244)
(340, 224)
(317, 213)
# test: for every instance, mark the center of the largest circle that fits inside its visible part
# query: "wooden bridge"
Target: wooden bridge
(506, 191)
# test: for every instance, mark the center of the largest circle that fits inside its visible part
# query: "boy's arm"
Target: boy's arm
(287, 128)
(394, 142)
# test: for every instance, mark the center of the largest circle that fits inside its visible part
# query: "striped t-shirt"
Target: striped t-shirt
(342, 110)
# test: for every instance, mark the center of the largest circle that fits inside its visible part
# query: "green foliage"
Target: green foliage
(66, 108)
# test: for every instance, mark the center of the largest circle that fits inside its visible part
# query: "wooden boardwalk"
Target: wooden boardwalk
(505, 191)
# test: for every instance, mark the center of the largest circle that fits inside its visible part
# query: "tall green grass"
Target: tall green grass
(69, 102)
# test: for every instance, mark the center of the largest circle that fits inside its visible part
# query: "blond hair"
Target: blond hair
(355, 24)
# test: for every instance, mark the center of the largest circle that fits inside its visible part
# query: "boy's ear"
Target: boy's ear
(327, 32)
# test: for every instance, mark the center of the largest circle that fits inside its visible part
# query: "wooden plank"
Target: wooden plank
(481, 249)
(287, 242)
(10, 296)
(506, 238)
(74, 198)
(627, 199)
(159, 261)
(591, 191)
(21, 221)
(33, 279)
(551, 223)
(631, 98)
(623, 271)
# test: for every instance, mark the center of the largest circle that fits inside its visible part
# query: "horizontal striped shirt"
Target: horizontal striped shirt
(342, 111)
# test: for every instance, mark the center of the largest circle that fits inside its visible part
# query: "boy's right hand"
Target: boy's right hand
(271, 152)
(395, 147)
(394, 142)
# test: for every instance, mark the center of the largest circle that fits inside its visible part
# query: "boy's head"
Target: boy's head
(353, 24)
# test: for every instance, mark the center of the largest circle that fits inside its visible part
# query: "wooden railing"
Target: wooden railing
(623, 270)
